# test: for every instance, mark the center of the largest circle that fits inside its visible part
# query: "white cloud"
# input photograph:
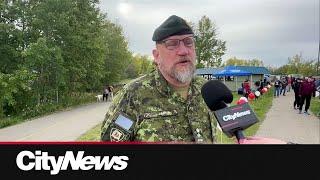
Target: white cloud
(270, 30)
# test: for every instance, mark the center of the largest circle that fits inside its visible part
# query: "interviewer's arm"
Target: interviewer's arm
(261, 140)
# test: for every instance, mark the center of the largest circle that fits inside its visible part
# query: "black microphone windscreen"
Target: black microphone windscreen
(215, 94)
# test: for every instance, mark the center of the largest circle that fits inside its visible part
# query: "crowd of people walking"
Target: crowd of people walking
(303, 88)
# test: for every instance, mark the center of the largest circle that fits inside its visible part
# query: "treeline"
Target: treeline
(297, 65)
(55, 52)
(243, 62)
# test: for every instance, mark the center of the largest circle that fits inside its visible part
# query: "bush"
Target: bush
(30, 111)
(315, 106)
(8, 121)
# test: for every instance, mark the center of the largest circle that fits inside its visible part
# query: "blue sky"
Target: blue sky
(270, 30)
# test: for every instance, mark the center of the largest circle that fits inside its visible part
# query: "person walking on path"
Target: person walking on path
(105, 93)
(283, 122)
(277, 85)
(284, 84)
(296, 87)
(317, 83)
(307, 89)
(289, 80)
(111, 92)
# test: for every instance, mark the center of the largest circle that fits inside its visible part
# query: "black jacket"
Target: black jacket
(296, 86)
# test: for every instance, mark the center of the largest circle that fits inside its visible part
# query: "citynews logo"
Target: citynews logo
(42, 161)
(236, 115)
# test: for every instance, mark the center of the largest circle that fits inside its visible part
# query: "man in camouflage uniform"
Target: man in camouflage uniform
(165, 105)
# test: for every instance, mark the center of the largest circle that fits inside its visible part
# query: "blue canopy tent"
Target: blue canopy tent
(230, 71)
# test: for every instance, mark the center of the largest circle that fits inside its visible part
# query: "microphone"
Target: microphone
(232, 120)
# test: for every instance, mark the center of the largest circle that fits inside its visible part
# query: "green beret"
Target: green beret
(174, 25)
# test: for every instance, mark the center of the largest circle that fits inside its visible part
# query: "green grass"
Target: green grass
(91, 135)
(9, 121)
(315, 106)
(260, 107)
(125, 81)
(29, 113)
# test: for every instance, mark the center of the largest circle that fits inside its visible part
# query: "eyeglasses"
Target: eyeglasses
(172, 44)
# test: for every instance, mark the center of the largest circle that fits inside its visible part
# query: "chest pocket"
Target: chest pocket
(159, 126)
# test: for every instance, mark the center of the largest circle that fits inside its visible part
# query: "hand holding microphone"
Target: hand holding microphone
(260, 140)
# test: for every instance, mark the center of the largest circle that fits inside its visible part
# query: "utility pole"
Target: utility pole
(318, 60)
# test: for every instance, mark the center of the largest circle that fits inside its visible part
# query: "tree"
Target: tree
(140, 65)
(255, 62)
(68, 47)
(12, 28)
(243, 62)
(76, 28)
(19, 82)
(48, 65)
(209, 48)
(117, 55)
(143, 63)
(234, 62)
(297, 65)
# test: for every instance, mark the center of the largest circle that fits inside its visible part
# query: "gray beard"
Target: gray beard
(184, 76)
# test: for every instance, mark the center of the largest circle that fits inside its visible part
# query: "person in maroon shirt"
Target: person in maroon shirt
(246, 88)
(307, 89)
(289, 80)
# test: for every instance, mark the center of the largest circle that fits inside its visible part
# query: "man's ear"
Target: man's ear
(156, 55)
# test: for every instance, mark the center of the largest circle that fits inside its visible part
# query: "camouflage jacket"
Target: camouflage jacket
(148, 109)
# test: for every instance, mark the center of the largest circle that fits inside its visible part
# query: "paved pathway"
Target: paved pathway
(60, 126)
(283, 122)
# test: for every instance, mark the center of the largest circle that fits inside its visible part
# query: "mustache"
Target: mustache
(184, 59)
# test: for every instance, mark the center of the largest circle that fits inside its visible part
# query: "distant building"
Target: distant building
(207, 73)
(234, 82)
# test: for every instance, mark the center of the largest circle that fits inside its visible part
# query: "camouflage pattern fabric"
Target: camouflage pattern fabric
(148, 110)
